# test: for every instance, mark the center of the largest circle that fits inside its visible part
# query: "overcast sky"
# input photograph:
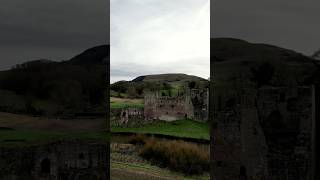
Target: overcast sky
(56, 30)
(159, 36)
(292, 24)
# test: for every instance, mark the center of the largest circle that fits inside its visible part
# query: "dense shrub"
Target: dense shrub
(177, 155)
(139, 139)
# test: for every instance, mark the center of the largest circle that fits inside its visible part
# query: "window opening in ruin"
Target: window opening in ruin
(219, 163)
(282, 97)
(243, 173)
(172, 106)
(123, 114)
(81, 156)
(45, 166)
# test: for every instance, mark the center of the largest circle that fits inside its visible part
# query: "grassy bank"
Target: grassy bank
(125, 103)
(24, 137)
(127, 163)
(180, 128)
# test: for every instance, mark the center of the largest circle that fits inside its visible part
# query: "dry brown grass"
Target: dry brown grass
(181, 156)
(25, 122)
(139, 139)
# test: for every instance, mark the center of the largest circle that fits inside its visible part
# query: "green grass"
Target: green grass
(124, 105)
(180, 128)
(22, 138)
(117, 103)
(116, 94)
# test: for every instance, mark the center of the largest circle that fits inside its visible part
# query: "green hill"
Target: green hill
(155, 82)
(168, 78)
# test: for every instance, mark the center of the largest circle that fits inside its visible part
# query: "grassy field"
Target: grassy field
(22, 138)
(18, 129)
(180, 128)
(125, 103)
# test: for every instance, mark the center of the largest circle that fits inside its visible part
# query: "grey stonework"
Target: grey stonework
(266, 134)
(64, 160)
(127, 117)
(191, 104)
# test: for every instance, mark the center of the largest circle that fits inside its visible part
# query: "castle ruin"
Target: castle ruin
(192, 104)
(265, 134)
(63, 160)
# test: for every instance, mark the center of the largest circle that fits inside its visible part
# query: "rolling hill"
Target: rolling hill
(154, 82)
(239, 64)
(46, 87)
(237, 61)
(168, 78)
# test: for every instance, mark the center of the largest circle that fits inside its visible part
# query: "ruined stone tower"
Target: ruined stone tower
(69, 159)
(163, 107)
(265, 134)
(191, 104)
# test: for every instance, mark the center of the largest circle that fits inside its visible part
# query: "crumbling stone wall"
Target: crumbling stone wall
(192, 104)
(166, 107)
(72, 160)
(286, 119)
(265, 134)
(200, 103)
(127, 117)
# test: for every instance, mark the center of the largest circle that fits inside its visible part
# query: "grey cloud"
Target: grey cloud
(67, 25)
(291, 24)
(156, 36)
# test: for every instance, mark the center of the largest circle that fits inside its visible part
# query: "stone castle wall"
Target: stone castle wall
(192, 104)
(127, 117)
(72, 160)
(200, 103)
(265, 134)
(167, 108)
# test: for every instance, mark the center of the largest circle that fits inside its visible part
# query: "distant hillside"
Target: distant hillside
(136, 87)
(239, 63)
(47, 87)
(98, 55)
(168, 78)
(229, 49)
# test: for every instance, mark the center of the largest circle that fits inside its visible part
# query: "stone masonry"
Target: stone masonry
(191, 104)
(265, 134)
(63, 160)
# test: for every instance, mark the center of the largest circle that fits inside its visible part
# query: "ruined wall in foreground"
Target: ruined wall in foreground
(265, 135)
(72, 160)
